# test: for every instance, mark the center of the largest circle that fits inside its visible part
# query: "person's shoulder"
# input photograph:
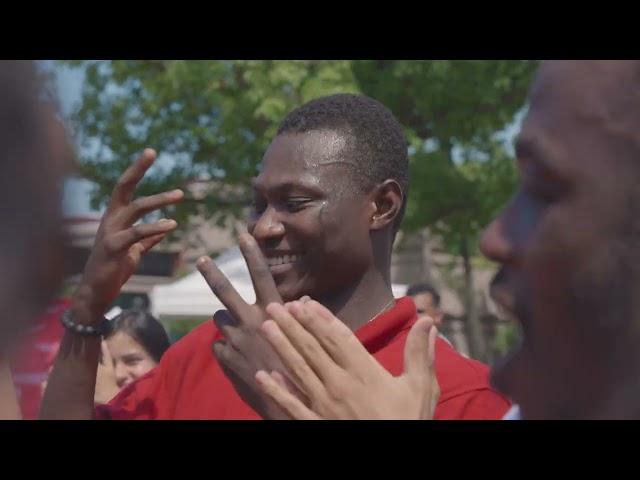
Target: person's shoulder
(465, 389)
(457, 373)
(203, 334)
(194, 345)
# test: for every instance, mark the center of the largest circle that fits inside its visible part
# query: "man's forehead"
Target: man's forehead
(314, 158)
(321, 176)
(547, 150)
(578, 109)
(590, 88)
(308, 150)
(591, 69)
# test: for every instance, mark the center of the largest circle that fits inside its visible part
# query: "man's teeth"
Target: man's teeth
(272, 261)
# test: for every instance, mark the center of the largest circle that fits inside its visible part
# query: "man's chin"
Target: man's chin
(516, 378)
(291, 290)
(505, 374)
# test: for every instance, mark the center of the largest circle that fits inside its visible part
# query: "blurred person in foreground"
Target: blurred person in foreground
(35, 156)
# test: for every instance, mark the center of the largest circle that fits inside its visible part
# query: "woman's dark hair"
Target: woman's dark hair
(144, 329)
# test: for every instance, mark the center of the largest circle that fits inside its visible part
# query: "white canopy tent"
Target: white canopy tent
(191, 297)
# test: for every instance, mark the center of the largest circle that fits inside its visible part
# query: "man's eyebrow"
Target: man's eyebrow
(286, 186)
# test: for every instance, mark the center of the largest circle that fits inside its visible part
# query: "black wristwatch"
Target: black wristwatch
(89, 330)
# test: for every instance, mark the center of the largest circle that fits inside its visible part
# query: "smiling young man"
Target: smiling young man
(567, 244)
(328, 203)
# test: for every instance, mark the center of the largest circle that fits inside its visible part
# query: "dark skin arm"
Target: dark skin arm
(116, 254)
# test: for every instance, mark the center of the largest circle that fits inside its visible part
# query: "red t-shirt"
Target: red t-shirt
(189, 383)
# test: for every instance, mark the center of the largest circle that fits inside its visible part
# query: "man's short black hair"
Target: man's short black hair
(418, 288)
(378, 148)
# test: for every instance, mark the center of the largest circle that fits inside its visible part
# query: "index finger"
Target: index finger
(128, 181)
(221, 287)
(263, 283)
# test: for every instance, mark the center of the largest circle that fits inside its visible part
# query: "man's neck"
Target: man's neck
(363, 301)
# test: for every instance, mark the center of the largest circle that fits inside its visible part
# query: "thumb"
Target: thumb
(419, 350)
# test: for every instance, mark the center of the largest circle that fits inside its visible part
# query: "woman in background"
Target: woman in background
(133, 346)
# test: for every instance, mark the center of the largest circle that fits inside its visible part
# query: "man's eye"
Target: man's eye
(295, 205)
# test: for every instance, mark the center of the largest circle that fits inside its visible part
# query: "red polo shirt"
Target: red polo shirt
(189, 384)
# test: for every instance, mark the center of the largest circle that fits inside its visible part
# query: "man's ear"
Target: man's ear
(386, 202)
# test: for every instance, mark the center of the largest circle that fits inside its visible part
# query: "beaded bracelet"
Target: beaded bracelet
(89, 330)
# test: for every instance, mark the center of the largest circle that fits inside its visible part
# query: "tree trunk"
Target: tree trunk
(473, 325)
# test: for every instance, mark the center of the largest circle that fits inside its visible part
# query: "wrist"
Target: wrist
(86, 306)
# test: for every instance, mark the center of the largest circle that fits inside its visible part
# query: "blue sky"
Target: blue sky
(68, 84)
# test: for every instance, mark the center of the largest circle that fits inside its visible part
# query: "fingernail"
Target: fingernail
(271, 306)
(166, 222)
(202, 261)
(246, 239)
(261, 376)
